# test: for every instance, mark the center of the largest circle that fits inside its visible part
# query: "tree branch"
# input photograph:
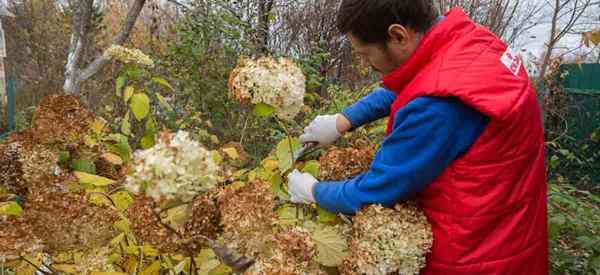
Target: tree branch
(100, 61)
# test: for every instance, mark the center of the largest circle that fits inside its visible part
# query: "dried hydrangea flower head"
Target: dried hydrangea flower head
(276, 82)
(128, 56)
(388, 241)
(177, 168)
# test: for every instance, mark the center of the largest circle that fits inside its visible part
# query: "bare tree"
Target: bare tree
(565, 16)
(265, 8)
(507, 18)
(82, 10)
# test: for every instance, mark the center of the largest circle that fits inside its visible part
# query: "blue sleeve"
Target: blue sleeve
(428, 134)
(372, 107)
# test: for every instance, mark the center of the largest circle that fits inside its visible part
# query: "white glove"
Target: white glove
(323, 130)
(300, 187)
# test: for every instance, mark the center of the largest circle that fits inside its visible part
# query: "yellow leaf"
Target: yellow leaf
(232, 153)
(154, 268)
(67, 268)
(89, 141)
(122, 200)
(131, 264)
(98, 126)
(10, 209)
(331, 245)
(107, 273)
(99, 199)
(176, 217)
(270, 164)
(85, 178)
(122, 225)
(140, 106)
(214, 139)
(217, 158)
(163, 83)
(149, 250)
(118, 239)
(128, 93)
(252, 176)
(112, 159)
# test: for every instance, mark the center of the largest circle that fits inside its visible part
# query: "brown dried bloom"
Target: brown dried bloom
(248, 218)
(65, 220)
(146, 227)
(11, 172)
(60, 119)
(343, 163)
(386, 240)
(294, 253)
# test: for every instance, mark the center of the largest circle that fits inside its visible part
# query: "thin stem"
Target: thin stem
(289, 137)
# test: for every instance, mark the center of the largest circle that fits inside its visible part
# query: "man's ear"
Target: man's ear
(398, 34)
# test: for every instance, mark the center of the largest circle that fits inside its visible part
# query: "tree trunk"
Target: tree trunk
(74, 75)
(264, 10)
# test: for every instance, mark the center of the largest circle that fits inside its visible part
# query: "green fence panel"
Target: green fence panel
(582, 77)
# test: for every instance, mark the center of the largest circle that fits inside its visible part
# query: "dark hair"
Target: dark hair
(369, 20)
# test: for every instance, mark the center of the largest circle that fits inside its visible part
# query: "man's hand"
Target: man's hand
(325, 129)
(300, 187)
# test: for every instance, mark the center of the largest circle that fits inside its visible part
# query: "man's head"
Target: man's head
(385, 33)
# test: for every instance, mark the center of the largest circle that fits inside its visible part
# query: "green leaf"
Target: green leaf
(163, 103)
(128, 93)
(217, 158)
(312, 167)
(122, 199)
(284, 156)
(121, 80)
(262, 109)
(126, 125)
(323, 216)
(11, 208)
(291, 214)
(150, 126)
(83, 165)
(85, 178)
(148, 141)
(207, 261)
(163, 83)
(331, 245)
(64, 156)
(121, 146)
(140, 106)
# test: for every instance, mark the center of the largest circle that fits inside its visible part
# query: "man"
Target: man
(464, 137)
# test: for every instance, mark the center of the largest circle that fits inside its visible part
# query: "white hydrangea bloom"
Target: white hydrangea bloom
(388, 241)
(128, 56)
(176, 168)
(276, 82)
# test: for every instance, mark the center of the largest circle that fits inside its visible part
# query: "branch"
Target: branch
(132, 15)
(179, 4)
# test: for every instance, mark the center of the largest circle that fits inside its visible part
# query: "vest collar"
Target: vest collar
(455, 24)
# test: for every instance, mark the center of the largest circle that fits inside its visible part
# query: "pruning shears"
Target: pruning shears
(306, 149)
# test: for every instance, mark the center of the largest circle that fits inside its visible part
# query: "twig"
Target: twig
(37, 268)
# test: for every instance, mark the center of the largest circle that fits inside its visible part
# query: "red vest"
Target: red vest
(487, 208)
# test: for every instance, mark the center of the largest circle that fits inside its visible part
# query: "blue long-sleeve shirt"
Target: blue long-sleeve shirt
(427, 135)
